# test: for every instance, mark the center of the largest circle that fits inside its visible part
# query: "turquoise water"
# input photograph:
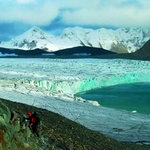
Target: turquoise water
(131, 97)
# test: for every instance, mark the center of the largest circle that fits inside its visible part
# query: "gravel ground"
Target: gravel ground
(60, 133)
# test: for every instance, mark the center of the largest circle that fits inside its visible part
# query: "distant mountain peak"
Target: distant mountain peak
(122, 40)
(35, 32)
(31, 39)
(35, 29)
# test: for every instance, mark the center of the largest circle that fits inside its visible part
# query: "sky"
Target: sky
(17, 16)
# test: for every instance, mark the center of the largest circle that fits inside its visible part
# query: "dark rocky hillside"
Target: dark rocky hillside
(20, 52)
(144, 52)
(56, 132)
(141, 54)
(81, 50)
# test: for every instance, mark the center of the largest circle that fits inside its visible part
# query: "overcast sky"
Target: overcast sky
(17, 16)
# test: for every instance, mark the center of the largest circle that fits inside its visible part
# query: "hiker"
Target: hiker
(12, 113)
(34, 120)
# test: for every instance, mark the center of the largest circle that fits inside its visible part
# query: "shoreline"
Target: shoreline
(104, 120)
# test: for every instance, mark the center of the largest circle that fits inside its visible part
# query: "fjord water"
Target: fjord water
(131, 97)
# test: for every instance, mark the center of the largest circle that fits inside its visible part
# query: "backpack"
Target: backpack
(36, 116)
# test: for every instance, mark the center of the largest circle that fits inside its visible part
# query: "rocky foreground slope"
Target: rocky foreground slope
(56, 132)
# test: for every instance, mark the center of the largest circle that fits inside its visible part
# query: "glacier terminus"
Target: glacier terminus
(52, 83)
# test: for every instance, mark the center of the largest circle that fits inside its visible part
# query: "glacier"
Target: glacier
(52, 83)
(73, 87)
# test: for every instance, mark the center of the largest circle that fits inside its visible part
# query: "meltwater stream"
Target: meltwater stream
(132, 97)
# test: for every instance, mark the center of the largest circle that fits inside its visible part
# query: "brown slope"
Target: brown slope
(61, 133)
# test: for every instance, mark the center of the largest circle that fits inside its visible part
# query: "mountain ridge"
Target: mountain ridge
(122, 40)
(78, 52)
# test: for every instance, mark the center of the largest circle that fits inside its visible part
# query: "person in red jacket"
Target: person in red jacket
(33, 122)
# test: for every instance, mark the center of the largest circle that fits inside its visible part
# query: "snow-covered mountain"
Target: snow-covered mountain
(31, 39)
(122, 40)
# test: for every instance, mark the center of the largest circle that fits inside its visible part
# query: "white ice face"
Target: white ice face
(52, 83)
(74, 75)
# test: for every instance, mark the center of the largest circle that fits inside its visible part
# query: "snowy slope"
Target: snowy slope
(121, 40)
(31, 39)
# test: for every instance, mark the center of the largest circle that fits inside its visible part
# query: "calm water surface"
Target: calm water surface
(131, 97)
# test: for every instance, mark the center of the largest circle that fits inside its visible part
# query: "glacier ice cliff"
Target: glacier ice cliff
(52, 83)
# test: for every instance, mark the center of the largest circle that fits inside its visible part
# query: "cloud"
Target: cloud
(25, 1)
(110, 13)
(92, 13)
(35, 13)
